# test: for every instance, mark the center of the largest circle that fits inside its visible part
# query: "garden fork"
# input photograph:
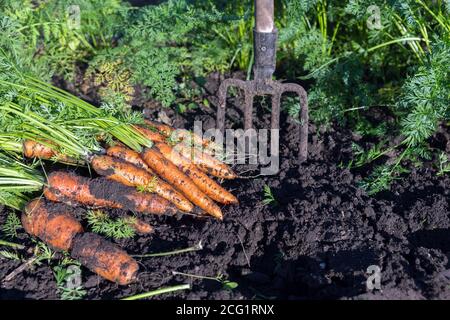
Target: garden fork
(264, 43)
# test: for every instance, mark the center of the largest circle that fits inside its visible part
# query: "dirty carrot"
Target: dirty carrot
(33, 149)
(139, 225)
(54, 225)
(168, 171)
(126, 154)
(51, 223)
(185, 136)
(76, 190)
(153, 135)
(130, 175)
(104, 258)
(182, 134)
(203, 182)
(206, 162)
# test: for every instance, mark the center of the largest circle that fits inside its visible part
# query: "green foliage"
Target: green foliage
(120, 228)
(17, 180)
(10, 255)
(444, 164)
(336, 49)
(11, 225)
(426, 96)
(269, 198)
(42, 252)
(155, 46)
(57, 34)
(65, 273)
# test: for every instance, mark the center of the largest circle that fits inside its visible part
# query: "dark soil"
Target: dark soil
(316, 242)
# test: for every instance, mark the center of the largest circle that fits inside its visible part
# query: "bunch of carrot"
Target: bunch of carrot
(162, 179)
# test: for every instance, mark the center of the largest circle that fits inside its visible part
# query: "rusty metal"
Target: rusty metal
(264, 66)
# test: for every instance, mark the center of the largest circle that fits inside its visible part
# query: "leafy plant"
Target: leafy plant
(120, 228)
(444, 164)
(269, 198)
(17, 180)
(10, 255)
(58, 34)
(11, 225)
(42, 252)
(64, 273)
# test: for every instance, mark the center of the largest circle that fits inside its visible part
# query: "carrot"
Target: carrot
(203, 182)
(104, 258)
(182, 134)
(53, 225)
(206, 162)
(164, 129)
(123, 172)
(168, 171)
(75, 190)
(126, 154)
(130, 175)
(33, 149)
(58, 228)
(153, 135)
(140, 226)
(185, 136)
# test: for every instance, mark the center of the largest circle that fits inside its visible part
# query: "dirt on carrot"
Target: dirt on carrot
(126, 154)
(72, 189)
(33, 149)
(56, 227)
(201, 180)
(153, 135)
(140, 226)
(130, 175)
(186, 137)
(206, 162)
(167, 170)
(104, 258)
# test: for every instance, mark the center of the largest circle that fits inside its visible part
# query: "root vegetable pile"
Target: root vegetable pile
(58, 228)
(166, 178)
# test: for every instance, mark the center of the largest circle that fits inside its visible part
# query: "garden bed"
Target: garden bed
(315, 241)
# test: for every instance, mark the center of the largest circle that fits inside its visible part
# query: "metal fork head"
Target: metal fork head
(262, 87)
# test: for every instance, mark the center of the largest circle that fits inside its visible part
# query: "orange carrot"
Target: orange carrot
(130, 175)
(104, 258)
(126, 154)
(206, 162)
(203, 182)
(33, 149)
(153, 135)
(140, 226)
(168, 171)
(75, 190)
(185, 136)
(53, 225)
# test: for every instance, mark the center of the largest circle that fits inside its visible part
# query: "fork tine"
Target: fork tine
(248, 110)
(303, 126)
(275, 118)
(222, 94)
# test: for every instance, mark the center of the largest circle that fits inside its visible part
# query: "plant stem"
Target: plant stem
(394, 41)
(197, 247)
(176, 273)
(11, 244)
(159, 291)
